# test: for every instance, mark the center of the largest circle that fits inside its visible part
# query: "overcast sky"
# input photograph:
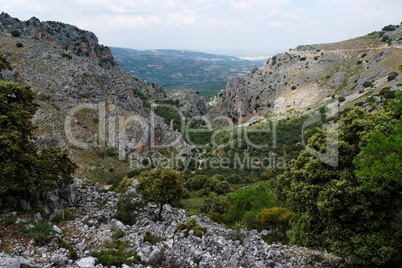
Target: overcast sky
(263, 26)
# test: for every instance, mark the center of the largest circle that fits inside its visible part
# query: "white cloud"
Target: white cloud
(182, 17)
(275, 23)
(129, 22)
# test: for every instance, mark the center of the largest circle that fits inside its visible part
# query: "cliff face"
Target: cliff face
(85, 98)
(310, 76)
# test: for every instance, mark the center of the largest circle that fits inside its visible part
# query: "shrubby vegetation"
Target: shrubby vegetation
(353, 209)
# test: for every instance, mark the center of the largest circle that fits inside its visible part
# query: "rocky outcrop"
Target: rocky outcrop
(190, 103)
(217, 247)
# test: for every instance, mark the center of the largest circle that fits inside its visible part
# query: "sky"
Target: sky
(225, 26)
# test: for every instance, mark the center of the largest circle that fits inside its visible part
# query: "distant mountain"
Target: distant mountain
(179, 69)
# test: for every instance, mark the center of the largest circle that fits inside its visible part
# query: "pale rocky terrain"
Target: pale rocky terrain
(218, 246)
(307, 77)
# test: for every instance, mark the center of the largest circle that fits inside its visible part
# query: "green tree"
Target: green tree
(22, 168)
(55, 168)
(336, 209)
(18, 154)
(214, 204)
(381, 158)
(276, 218)
(162, 186)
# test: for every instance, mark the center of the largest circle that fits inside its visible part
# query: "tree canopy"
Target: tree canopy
(162, 186)
(354, 209)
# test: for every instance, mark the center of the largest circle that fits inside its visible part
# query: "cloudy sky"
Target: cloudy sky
(252, 26)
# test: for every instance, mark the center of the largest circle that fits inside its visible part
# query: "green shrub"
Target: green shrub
(110, 151)
(19, 44)
(303, 58)
(389, 28)
(367, 84)
(234, 178)
(192, 225)
(392, 76)
(15, 33)
(153, 239)
(341, 99)
(41, 232)
(66, 55)
(273, 60)
(214, 204)
(128, 207)
(124, 184)
(293, 87)
(115, 254)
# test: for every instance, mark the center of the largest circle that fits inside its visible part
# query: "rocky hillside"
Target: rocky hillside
(81, 91)
(308, 77)
(156, 244)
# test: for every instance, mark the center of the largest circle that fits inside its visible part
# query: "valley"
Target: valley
(187, 159)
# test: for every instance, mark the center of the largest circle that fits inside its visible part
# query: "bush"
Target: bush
(367, 84)
(152, 239)
(115, 254)
(234, 178)
(41, 232)
(293, 87)
(303, 58)
(19, 44)
(389, 28)
(341, 99)
(392, 76)
(15, 33)
(124, 184)
(128, 207)
(276, 218)
(110, 151)
(213, 204)
(66, 55)
(192, 225)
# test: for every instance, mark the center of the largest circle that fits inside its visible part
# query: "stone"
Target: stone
(57, 229)
(58, 259)
(88, 262)
(38, 217)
